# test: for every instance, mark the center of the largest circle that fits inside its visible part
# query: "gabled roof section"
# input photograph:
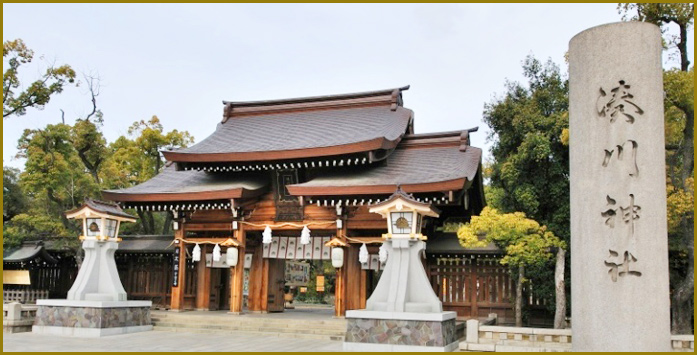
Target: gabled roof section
(421, 163)
(191, 185)
(303, 128)
(101, 207)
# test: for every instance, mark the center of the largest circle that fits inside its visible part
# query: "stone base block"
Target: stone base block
(88, 332)
(400, 331)
(91, 318)
(366, 347)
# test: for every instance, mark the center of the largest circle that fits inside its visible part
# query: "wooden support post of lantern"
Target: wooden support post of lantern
(237, 273)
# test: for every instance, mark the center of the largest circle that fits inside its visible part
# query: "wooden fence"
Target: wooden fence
(475, 286)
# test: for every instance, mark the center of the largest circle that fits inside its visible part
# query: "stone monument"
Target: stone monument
(619, 248)
(96, 303)
(403, 313)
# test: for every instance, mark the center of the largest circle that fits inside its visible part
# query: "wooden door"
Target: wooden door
(216, 289)
(275, 302)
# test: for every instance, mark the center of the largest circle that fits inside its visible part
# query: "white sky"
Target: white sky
(179, 61)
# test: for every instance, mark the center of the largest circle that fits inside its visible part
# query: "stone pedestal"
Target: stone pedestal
(619, 248)
(400, 331)
(98, 279)
(403, 313)
(91, 318)
(404, 285)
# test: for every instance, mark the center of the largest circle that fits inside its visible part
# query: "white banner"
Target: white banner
(290, 248)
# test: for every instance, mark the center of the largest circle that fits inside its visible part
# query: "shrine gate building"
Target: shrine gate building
(315, 162)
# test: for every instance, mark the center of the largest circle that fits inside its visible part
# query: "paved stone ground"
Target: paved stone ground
(165, 341)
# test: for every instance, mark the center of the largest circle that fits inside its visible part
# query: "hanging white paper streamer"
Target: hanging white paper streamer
(382, 254)
(266, 235)
(196, 254)
(305, 236)
(363, 254)
(216, 253)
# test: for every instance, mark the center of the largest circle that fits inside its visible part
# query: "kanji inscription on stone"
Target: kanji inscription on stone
(623, 268)
(619, 102)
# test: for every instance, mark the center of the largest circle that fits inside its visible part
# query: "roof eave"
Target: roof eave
(359, 147)
(449, 185)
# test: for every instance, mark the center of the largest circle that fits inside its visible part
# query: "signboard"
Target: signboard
(175, 267)
(15, 277)
(320, 283)
(297, 273)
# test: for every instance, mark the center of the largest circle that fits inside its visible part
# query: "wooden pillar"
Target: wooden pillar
(177, 303)
(353, 277)
(203, 283)
(265, 285)
(237, 274)
(340, 291)
(255, 284)
(363, 293)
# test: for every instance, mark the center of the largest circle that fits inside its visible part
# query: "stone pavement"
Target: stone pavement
(165, 341)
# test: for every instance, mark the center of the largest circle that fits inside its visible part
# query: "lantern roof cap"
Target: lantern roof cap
(401, 200)
(100, 209)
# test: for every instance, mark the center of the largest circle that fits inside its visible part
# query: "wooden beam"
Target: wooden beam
(177, 302)
(203, 282)
(237, 274)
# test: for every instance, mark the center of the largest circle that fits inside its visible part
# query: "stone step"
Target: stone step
(260, 333)
(251, 328)
(252, 323)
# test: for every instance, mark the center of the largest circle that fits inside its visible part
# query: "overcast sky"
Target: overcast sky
(180, 61)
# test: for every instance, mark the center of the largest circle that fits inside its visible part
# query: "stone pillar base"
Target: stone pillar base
(91, 318)
(400, 331)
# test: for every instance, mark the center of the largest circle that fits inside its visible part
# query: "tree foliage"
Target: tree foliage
(38, 93)
(527, 245)
(530, 167)
(524, 241)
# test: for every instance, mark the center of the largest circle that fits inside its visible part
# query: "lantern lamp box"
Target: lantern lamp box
(97, 304)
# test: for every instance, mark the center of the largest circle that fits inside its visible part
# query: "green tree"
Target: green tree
(37, 94)
(14, 201)
(679, 122)
(524, 241)
(137, 159)
(530, 167)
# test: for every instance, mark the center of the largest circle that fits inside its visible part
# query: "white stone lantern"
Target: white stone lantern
(403, 292)
(404, 286)
(97, 293)
(98, 279)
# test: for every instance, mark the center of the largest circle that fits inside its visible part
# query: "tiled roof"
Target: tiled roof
(375, 127)
(422, 163)
(172, 185)
(411, 168)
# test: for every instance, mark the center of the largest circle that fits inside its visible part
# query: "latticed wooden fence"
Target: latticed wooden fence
(149, 277)
(476, 285)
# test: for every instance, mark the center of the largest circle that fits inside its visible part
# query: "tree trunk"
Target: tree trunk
(146, 221)
(560, 290)
(167, 227)
(682, 307)
(519, 297)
